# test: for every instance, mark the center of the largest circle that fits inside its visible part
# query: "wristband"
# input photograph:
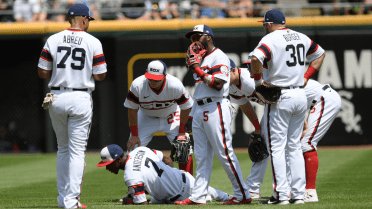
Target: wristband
(134, 130)
(256, 124)
(182, 128)
(198, 72)
(310, 72)
(257, 76)
(209, 80)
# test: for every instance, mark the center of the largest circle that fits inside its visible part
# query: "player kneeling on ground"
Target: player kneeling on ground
(150, 171)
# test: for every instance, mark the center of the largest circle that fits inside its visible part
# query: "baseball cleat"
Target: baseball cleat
(234, 201)
(187, 202)
(255, 196)
(208, 198)
(311, 195)
(274, 201)
(79, 205)
(296, 201)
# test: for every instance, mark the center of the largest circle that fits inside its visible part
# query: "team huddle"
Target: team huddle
(275, 77)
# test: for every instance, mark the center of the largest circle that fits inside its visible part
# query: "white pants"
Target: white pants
(321, 118)
(71, 114)
(148, 126)
(284, 127)
(212, 135)
(217, 195)
(258, 169)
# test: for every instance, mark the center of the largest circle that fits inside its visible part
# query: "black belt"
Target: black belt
(292, 87)
(59, 88)
(208, 100)
(179, 195)
(326, 87)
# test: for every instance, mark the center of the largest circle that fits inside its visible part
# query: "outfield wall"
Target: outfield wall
(129, 46)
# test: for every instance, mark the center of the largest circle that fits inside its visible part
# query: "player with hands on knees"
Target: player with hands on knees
(158, 102)
(242, 92)
(211, 123)
(73, 60)
(280, 59)
(148, 171)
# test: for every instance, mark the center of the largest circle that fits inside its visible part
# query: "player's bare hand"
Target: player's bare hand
(133, 140)
(305, 82)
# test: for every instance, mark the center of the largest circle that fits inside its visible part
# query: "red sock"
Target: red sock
(311, 168)
(189, 167)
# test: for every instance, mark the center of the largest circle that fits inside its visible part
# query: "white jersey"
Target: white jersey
(217, 64)
(245, 91)
(158, 104)
(314, 90)
(145, 171)
(282, 54)
(73, 56)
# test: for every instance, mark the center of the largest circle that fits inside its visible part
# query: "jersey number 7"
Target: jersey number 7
(75, 56)
(159, 171)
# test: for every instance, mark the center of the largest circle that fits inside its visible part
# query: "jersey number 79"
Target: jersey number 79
(75, 56)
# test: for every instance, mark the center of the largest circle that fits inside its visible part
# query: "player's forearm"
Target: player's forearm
(184, 118)
(248, 110)
(99, 77)
(256, 69)
(314, 67)
(132, 118)
(167, 160)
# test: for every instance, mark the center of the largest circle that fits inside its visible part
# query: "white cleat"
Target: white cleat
(208, 198)
(255, 196)
(311, 195)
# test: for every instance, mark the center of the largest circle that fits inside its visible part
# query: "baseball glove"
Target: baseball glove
(181, 149)
(268, 92)
(257, 148)
(195, 54)
(48, 100)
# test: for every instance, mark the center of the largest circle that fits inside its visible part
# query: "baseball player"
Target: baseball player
(324, 104)
(73, 59)
(151, 171)
(242, 93)
(212, 117)
(280, 59)
(158, 102)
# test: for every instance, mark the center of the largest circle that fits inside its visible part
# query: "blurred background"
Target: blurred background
(133, 32)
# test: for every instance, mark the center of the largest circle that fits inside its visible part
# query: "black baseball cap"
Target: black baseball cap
(79, 10)
(274, 16)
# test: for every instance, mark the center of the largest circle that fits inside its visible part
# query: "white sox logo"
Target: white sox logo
(154, 70)
(157, 105)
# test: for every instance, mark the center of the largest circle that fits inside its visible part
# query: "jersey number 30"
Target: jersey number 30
(159, 171)
(300, 48)
(75, 56)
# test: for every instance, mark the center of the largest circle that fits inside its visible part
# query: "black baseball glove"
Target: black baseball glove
(268, 92)
(181, 149)
(257, 148)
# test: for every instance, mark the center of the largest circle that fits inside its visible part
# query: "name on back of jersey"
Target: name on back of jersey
(138, 160)
(291, 37)
(72, 39)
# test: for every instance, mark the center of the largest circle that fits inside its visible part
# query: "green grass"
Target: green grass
(29, 181)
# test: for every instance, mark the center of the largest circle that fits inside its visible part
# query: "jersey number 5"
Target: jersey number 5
(75, 56)
(159, 171)
(301, 59)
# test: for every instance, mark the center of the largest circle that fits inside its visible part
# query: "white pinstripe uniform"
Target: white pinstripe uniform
(212, 129)
(241, 95)
(145, 171)
(282, 54)
(73, 56)
(158, 111)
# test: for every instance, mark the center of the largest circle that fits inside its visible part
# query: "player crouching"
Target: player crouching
(150, 171)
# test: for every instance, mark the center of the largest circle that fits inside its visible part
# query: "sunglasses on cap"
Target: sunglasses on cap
(197, 36)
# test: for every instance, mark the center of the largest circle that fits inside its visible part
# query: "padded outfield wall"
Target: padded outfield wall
(130, 45)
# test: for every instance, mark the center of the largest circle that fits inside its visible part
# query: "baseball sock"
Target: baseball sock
(311, 168)
(189, 167)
